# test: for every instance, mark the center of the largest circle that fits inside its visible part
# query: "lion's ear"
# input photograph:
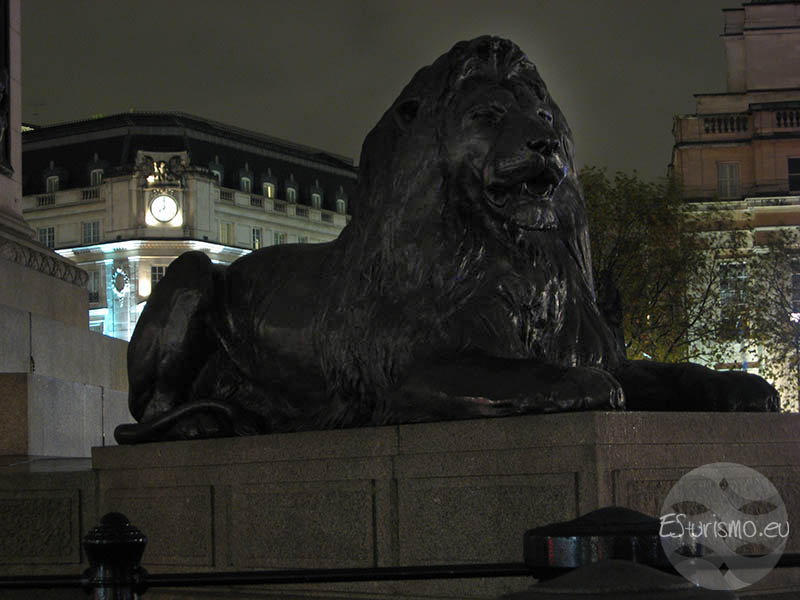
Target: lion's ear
(406, 112)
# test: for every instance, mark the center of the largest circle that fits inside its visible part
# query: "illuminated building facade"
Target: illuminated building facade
(745, 143)
(124, 195)
(740, 151)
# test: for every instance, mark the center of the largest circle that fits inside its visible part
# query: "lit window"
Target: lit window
(258, 236)
(728, 179)
(91, 232)
(316, 200)
(52, 184)
(280, 238)
(269, 190)
(341, 206)
(226, 233)
(156, 274)
(794, 174)
(217, 175)
(245, 185)
(47, 236)
(94, 286)
(732, 281)
(96, 177)
(291, 194)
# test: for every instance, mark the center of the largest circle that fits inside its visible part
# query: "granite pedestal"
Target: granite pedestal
(438, 493)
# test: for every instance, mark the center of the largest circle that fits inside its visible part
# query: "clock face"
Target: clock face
(164, 208)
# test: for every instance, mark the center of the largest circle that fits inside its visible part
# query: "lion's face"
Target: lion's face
(511, 151)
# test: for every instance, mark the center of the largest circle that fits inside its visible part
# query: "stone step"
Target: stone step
(32, 343)
(50, 416)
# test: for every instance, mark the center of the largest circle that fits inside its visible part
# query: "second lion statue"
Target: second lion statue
(461, 288)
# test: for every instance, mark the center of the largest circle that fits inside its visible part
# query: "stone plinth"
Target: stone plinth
(63, 388)
(457, 492)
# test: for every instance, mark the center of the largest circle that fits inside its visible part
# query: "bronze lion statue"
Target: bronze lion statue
(461, 288)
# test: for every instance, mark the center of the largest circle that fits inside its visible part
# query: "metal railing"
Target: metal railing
(115, 549)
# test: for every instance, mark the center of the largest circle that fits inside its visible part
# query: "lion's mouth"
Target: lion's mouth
(524, 191)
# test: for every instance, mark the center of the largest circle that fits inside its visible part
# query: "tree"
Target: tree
(664, 262)
(773, 279)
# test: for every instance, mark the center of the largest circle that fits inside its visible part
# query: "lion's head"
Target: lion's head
(479, 129)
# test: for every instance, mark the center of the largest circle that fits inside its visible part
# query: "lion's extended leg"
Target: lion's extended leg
(483, 387)
(171, 342)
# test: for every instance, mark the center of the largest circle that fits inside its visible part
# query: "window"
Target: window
(91, 232)
(217, 175)
(732, 280)
(226, 233)
(794, 174)
(303, 239)
(156, 274)
(47, 236)
(258, 236)
(52, 184)
(96, 177)
(728, 179)
(269, 190)
(280, 238)
(291, 194)
(245, 185)
(94, 286)
(316, 200)
(341, 206)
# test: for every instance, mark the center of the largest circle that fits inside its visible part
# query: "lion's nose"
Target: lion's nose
(545, 147)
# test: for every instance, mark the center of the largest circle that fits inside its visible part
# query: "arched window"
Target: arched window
(316, 200)
(96, 177)
(52, 184)
(291, 194)
(341, 206)
(245, 184)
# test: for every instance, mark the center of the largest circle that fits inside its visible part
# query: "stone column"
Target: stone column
(32, 278)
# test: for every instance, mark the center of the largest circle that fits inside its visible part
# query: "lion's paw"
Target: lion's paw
(587, 388)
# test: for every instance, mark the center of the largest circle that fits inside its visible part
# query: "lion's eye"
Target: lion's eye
(492, 113)
(545, 115)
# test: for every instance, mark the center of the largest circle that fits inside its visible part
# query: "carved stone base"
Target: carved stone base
(436, 493)
(456, 492)
(36, 279)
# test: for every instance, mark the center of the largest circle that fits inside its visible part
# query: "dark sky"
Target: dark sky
(322, 72)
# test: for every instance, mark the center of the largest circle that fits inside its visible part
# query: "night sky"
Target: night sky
(321, 73)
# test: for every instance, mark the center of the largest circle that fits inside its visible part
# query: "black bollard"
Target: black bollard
(608, 533)
(114, 549)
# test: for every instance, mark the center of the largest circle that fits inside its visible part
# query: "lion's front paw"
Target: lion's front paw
(587, 388)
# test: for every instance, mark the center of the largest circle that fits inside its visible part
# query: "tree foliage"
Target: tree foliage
(664, 264)
(773, 312)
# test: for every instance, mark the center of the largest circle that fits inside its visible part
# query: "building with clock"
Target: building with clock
(124, 195)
